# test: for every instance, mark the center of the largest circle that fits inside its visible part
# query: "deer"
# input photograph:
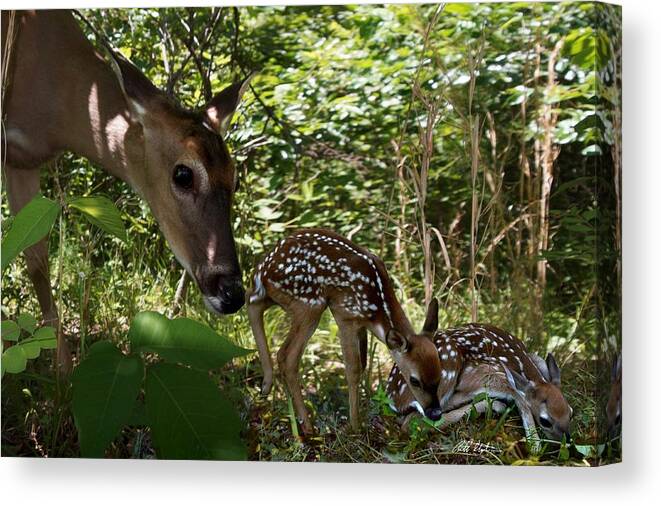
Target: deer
(60, 94)
(614, 404)
(478, 358)
(315, 269)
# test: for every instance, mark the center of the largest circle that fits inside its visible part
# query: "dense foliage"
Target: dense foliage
(474, 147)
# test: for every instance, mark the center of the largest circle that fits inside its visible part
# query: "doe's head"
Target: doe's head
(418, 360)
(183, 169)
(544, 398)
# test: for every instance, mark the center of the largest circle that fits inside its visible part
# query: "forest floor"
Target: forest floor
(37, 420)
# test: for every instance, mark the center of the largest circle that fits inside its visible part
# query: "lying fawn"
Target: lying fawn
(314, 269)
(614, 406)
(480, 358)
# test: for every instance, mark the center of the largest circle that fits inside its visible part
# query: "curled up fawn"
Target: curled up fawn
(478, 359)
(315, 269)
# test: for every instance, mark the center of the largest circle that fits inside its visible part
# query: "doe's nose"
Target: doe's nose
(232, 295)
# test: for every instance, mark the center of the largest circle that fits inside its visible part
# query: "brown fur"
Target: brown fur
(315, 269)
(64, 95)
(474, 354)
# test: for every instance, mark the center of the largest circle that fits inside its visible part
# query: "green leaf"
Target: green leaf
(43, 339)
(182, 341)
(105, 386)
(188, 416)
(102, 347)
(14, 360)
(27, 322)
(30, 225)
(10, 331)
(100, 211)
(460, 9)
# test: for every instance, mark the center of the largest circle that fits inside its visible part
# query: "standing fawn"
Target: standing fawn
(614, 406)
(480, 358)
(314, 269)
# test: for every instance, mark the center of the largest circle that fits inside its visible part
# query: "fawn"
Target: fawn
(314, 269)
(614, 405)
(479, 358)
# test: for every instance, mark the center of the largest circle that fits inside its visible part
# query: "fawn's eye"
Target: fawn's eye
(545, 422)
(415, 382)
(183, 176)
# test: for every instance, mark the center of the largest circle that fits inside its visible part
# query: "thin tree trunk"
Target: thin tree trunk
(548, 153)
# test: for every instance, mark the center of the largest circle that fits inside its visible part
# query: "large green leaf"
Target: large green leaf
(27, 322)
(14, 360)
(30, 225)
(105, 386)
(188, 416)
(100, 211)
(10, 331)
(182, 341)
(43, 339)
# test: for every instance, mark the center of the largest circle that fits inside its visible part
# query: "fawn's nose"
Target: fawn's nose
(434, 414)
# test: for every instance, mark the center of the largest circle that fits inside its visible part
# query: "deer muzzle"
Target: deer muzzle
(223, 293)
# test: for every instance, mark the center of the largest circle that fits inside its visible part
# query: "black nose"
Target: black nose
(223, 294)
(434, 414)
(232, 295)
(567, 437)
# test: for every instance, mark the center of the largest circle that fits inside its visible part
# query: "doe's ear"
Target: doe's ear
(396, 341)
(137, 89)
(220, 109)
(431, 320)
(517, 382)
(554, 370)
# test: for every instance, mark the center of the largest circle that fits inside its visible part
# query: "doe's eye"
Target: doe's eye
(183, 177)
(415, 382)
(545, 422)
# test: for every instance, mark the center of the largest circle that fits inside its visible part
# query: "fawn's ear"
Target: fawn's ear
(221, 107)
(431, 320)
(541, 365)
(518, 382)
(616, 370)
(396, 341)
(554, 370)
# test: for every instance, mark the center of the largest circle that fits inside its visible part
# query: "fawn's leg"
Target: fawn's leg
(304, 321)
(256, 318)
(351, 338)
(22, 186)
(529, 426)
(362, 339)
(179, 304)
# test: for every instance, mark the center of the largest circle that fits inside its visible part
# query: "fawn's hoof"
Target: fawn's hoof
(267, 383)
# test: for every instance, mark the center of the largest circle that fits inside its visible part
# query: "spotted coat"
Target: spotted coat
(465, 346)
(320, 268)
